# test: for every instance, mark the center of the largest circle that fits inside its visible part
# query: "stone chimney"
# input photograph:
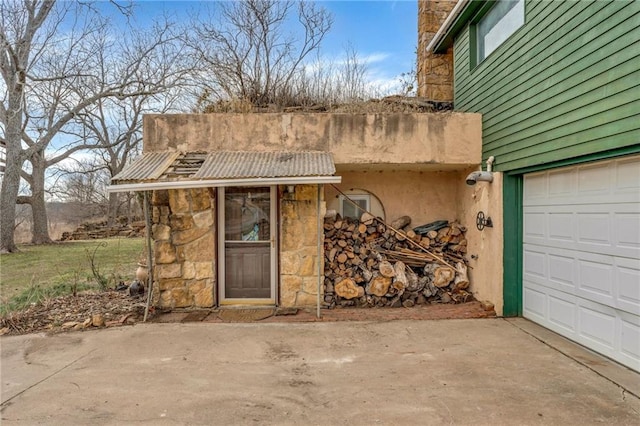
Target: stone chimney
(435, 71)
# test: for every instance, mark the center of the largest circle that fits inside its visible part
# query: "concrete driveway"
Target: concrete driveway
(483, 371)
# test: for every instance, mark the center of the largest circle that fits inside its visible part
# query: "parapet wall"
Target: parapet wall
(425, 139)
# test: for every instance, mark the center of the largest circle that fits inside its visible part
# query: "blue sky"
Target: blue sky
(385, 32)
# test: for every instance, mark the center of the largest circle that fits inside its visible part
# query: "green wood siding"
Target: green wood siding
(566, 84)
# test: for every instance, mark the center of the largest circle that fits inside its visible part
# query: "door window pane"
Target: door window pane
(247, 214)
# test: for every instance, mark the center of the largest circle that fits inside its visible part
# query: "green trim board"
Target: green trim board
(512, 245)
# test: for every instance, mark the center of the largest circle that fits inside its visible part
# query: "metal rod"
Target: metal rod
(320, 242)
(147, 220)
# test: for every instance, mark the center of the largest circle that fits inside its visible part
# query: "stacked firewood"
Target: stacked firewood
(369, 263)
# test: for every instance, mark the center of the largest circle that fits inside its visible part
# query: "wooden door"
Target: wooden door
(247, 244)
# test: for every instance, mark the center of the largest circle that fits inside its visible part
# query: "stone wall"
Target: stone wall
(299, 246)
(435, 71)
(184, 248)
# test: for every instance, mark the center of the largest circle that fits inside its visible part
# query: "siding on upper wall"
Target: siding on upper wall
(566, 84)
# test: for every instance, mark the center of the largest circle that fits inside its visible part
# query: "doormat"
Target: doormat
(244, 315)
(196, 316)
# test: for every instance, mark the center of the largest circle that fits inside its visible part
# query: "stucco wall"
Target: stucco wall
(435, 139)
(484, 248)
(425, 196)
(429, 196)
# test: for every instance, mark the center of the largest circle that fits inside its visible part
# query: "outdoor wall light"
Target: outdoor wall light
(291, 189)
(480, 176)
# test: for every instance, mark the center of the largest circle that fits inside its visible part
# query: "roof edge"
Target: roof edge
(462, 12)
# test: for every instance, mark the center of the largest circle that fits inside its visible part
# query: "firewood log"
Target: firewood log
(366, 218)
(366, 273)
(442, 276)
(379, 285)
(461, 280)
(412, 279)
(412, 235)
(400, 277)
(348, 289)
(386, 269)
(401, 222)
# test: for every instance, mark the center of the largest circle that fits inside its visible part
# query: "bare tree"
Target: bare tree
(58, 60)
(17, 32)
(246, 49)
(115, 126)
(83, 181)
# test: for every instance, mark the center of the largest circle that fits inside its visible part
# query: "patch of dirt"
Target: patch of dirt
(83, 311)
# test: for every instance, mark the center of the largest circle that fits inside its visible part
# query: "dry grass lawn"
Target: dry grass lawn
(44, 271)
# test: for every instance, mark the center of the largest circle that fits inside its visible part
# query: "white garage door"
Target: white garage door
(581, 272)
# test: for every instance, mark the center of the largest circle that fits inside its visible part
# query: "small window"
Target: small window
(497, 25)
(347, 209)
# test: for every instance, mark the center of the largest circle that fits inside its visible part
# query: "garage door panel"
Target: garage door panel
(595, 281)
(627, 175)
(627, 230)
(535, 225)
(630, 341)
(594, 179)
(562, 183)
(581, 255)
(628, 280)
(534, 264)
(594, 228)
(562, 272)
(563, 312)
(597, 326)
(561, 227)
(534, 303)
(536, 187)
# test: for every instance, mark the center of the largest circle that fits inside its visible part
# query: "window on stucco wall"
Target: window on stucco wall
(347, 209)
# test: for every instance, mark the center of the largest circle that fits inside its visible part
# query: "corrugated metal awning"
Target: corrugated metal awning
(172, 170)
(235, 165)
(150, 166)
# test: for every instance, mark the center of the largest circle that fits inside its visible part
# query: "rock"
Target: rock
(445, 298)
(487, 306)
(69, 324)
(136, 289)
(97, 320)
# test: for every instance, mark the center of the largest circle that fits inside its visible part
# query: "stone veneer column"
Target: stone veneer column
(299, 246)
(184, 248)
(435, 71)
